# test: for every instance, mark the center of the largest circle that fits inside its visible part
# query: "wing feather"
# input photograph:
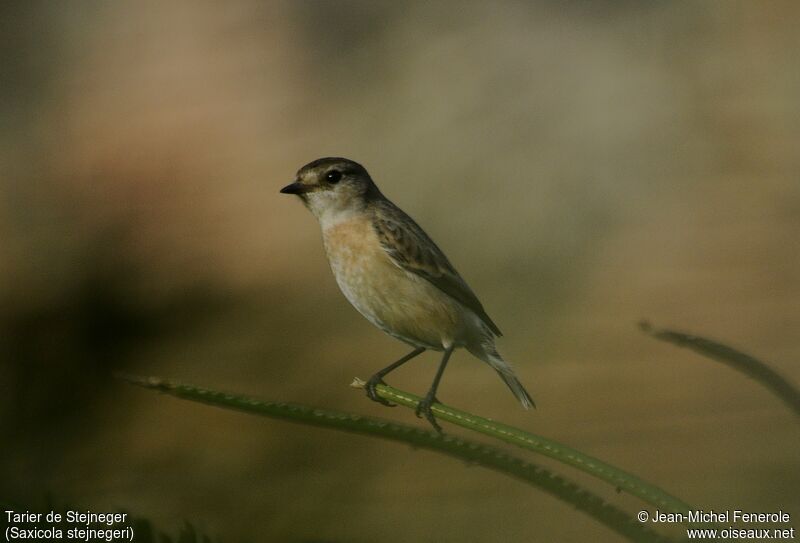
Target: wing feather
(411, 249)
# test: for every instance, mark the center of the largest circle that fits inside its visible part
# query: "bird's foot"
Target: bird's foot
(372, 393)
(424, 408)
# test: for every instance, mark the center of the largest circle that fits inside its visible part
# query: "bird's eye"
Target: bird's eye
(333, 176)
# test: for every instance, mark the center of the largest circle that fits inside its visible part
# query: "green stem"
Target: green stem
(606, 472)
(744, 363)
(469, 451)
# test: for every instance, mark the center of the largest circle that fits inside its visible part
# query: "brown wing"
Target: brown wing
(411, 249)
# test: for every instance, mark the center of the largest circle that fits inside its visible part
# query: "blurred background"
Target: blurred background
(584, 165)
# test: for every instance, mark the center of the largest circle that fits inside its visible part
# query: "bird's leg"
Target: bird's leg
(424, 406)
(377, 379)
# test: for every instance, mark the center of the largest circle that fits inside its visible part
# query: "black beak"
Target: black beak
(294, 188)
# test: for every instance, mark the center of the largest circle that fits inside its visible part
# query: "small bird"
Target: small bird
(394, 274)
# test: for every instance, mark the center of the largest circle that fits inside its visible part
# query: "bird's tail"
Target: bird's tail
(518, 390)
(489, 354)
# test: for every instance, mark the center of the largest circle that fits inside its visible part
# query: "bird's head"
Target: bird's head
(333, 186)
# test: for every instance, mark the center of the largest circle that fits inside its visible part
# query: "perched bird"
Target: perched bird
(395, 275)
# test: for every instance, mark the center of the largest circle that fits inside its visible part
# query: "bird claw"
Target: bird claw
(372, 393)
(424, 408)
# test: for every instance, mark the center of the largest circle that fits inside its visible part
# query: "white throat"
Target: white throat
(331, 208)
